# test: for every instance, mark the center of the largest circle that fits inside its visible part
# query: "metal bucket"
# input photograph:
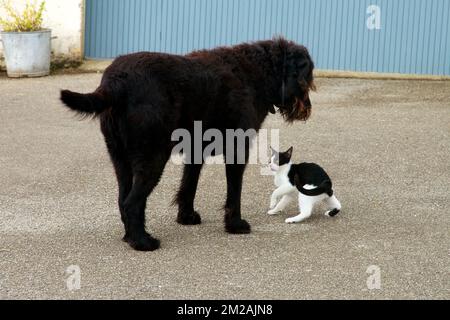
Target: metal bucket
(27, 54)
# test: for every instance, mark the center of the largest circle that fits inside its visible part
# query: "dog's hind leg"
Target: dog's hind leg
(186, 195)
(122, 166)
(124, 176)
(147, 173)
(233, 221)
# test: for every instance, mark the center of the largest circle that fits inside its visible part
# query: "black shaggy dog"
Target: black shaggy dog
(144, 97)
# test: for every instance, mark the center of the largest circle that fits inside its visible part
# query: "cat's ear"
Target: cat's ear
(289, 152)
(273, 151)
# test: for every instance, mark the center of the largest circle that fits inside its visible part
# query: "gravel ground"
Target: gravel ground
(386, 144)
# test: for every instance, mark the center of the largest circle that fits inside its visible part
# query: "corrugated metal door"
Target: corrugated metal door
(402, 36)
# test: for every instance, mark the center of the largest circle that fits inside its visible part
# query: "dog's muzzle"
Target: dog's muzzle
(299, 111)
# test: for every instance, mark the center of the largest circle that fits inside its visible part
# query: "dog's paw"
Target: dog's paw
(332, 213)
(273, 212)
(238, 227)
(144, 242)
(190, 219)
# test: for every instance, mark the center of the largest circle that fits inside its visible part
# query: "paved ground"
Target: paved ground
(385, 143)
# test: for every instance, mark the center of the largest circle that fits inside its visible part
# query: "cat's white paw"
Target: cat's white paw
(273, 212)
(291, 221)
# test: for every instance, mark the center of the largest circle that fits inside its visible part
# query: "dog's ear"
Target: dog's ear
(278, 50)
(303, 71)
(300, 65)
(299, 68)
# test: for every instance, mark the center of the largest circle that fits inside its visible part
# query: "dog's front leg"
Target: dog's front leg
(233, 221)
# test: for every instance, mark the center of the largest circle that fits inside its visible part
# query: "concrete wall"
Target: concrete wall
(65, 18)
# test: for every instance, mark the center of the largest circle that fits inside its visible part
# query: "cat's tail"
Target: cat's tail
(325, 187)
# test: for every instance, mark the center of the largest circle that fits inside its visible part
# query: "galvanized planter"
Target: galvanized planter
(27, 54)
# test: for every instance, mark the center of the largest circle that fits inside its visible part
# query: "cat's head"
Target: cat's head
(280, 159)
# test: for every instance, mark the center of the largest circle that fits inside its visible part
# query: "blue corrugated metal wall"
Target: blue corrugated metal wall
(414, 36)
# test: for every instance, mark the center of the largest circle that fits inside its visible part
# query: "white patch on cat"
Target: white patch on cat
(309, 187)
(273, 166)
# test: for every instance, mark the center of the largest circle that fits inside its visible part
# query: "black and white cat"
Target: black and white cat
(307, 181)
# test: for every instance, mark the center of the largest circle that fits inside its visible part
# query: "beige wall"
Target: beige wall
(65, 18)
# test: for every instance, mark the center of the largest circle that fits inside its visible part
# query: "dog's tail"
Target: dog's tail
(90, 104)
(325, 187)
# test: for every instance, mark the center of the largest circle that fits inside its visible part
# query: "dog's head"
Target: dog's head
(297, 81)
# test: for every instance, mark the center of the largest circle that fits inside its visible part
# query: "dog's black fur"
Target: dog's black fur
(144, 97)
